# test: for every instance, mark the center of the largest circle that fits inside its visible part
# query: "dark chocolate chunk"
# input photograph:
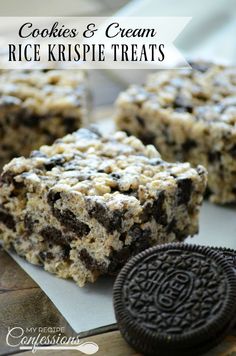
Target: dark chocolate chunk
(184, 191)
(68, 219)
(7, 219)
(175, 299)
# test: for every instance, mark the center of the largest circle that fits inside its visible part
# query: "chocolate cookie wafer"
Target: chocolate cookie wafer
(175, 299)
(229, 254)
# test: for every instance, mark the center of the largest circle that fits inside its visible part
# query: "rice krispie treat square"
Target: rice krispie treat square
(83, 206)
(189, 115)
(39, 106)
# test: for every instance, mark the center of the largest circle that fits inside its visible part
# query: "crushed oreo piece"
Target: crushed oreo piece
(29, 223)
(141, 240)
(111, 220)
(182, 104)
(71, 124)
(214, 156)
(57, 160)
(147, 137)
(185, 187)
(52, 197)
(90, 263)
(155, 210)
(68, 219)
(189, 145)
(50, 233)
(7, 219)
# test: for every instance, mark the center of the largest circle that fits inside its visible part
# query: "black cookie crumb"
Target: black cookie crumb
(155, 210)
(7, 219)
(68, 219)
(111, 220)
(90, 263)
(184, 191)
(141, 240)
(50, 233)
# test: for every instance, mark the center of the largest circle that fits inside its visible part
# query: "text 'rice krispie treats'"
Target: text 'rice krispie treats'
(38, 106)
(189, 115)
(84, 205)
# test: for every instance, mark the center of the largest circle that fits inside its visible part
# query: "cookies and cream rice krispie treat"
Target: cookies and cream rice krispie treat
(189, 115)
(38, 106)
(84, 205)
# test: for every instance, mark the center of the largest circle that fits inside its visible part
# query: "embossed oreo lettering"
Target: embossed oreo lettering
(173, 290)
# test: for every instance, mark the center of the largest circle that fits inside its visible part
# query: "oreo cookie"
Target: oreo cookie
(229, 254)
(175, 299)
